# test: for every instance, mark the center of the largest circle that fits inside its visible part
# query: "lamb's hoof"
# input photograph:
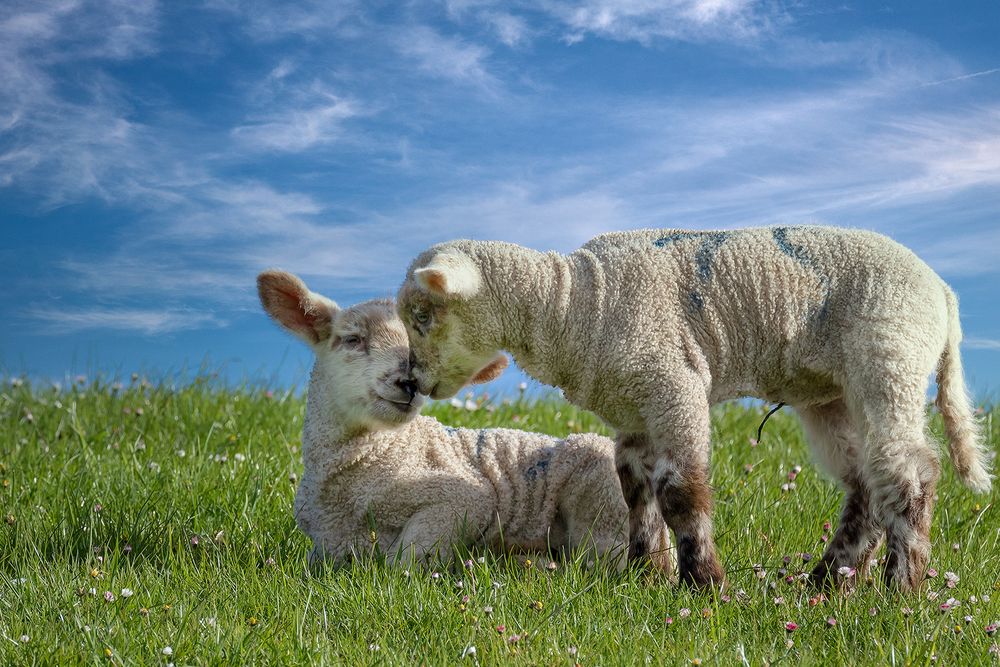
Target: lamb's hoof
(824, 577)
(704, 581)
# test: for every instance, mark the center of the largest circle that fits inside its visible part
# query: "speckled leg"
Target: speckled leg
(644, 520)
(837, 446)
(681, 438)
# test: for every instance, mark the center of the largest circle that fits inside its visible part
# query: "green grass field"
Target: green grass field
(146, 525)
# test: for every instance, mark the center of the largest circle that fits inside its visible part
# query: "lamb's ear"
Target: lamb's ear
(450, 274)
(491, 371)
(290, 303)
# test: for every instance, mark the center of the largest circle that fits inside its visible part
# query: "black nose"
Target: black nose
(409, 386)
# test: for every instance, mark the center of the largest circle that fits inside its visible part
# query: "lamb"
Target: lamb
(377, 473)
(649, 328)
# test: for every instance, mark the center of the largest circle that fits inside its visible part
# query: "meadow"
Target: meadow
(143, 524)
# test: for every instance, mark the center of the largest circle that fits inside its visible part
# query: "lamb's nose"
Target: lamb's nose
(409, 386)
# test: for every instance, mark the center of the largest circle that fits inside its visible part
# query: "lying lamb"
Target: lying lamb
(649, 328)
(375, 471)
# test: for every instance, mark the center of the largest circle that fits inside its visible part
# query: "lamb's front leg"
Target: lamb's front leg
(434, 531)
(644, 518)
(681, 443)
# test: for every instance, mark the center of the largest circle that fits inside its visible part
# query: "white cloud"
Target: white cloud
(297, 129)
(445, 57)
(981, 344)
(646, 20)
(145, 321)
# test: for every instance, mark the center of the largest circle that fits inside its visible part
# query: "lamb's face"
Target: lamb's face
(435, 304)
(366, 364)
(362, 355)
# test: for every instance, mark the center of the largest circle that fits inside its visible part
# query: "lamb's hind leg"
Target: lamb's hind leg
(902, 472)
(837, 446)
(682, 440)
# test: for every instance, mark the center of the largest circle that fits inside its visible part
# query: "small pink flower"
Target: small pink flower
(109, 596)
(684, 613)
(931, 573)
(753, 442)
(830, 622)
(907, 611)
(791, 626)
(194, 540)
(501, 629)
(846, 571)
(826, 526)
(513, 639)
(991, 629)
(951, 579)
(669, 620)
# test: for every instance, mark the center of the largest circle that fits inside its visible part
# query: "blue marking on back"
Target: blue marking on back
(541, 465)
(696, 301)
(480, 441)
(796, 252)
(706, 253)
(678, 236)
(799, 254)
(450, 430)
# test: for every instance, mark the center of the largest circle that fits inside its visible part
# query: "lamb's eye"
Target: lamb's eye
(351, 340)
(422, 317)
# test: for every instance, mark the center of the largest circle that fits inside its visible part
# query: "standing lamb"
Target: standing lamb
(377, 472)
(649, 328)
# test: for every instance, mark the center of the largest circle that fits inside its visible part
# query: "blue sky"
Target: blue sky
(155, 156)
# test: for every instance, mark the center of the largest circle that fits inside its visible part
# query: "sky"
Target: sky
(154, 157)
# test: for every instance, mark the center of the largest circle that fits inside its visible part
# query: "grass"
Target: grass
(184, 497)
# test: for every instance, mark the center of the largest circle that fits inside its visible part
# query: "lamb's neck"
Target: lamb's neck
(324, 432)
(531, 301)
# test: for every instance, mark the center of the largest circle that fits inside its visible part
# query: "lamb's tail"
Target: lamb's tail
(965, 441)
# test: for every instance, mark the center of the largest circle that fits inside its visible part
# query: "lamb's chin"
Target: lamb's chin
(391, 413)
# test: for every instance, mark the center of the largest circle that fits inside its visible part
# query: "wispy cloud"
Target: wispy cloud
(963, 77)
(144, 321)
(981, 344)
(446, 57)
(297, 129)
(645, 20)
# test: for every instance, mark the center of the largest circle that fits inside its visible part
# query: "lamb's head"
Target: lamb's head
(362, 356)
(442, 305)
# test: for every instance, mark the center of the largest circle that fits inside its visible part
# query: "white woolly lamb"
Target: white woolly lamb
(649, 328)
(375, 472)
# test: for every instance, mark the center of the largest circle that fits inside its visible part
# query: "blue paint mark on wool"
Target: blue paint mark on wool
(796, 252)
(480, 441)
(706, 253)
(696, 301)
(673, 238)
(541, 465)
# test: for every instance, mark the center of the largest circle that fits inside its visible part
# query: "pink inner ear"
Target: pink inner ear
(435, 281)
(291, 312)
